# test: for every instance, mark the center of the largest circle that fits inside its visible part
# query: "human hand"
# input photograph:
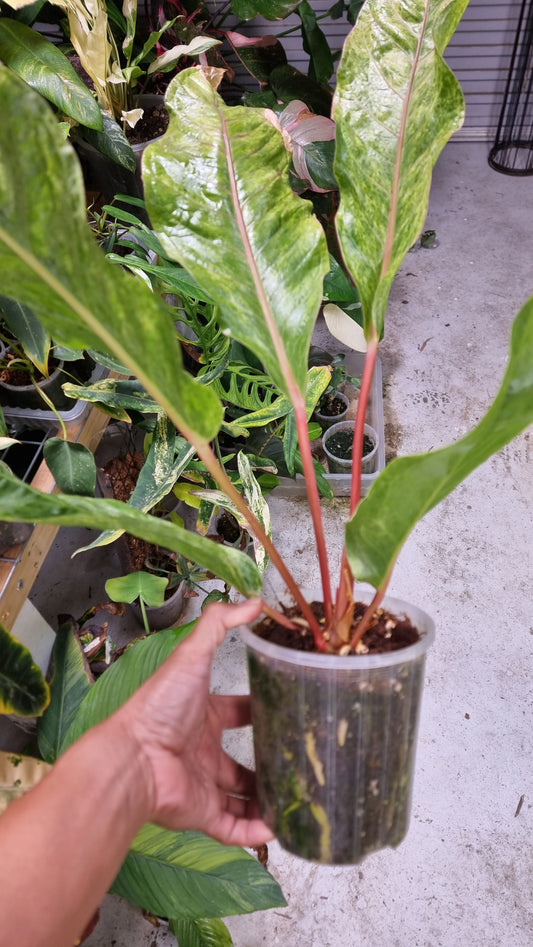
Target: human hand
(176, 727)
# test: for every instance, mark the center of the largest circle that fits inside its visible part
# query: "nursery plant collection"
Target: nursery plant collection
(336, 671)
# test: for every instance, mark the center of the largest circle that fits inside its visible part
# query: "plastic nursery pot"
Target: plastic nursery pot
(165, 615)
(338, 464)
(327, 420)
(26, 396)
(335, 741)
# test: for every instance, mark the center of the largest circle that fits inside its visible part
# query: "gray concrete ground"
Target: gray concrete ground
(464, 873)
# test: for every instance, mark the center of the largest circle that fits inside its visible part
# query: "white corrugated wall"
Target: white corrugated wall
(479, 54)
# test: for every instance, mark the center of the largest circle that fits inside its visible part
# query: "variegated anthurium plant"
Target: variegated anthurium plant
(218, 196)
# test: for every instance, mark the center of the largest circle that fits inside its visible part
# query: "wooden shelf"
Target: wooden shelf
(18, 573)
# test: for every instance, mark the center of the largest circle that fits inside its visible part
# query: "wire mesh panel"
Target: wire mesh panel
(512, 151)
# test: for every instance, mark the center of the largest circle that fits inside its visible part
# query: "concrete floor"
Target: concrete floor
(464, 874)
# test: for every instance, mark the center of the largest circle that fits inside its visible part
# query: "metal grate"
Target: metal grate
(512, 151)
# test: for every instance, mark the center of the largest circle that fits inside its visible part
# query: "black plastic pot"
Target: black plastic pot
(335, 741)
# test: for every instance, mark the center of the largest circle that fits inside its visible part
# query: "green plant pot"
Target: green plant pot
(335, 741)
(344, 464)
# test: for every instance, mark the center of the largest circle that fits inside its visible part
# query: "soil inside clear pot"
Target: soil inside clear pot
(335, 739)
(341, 443)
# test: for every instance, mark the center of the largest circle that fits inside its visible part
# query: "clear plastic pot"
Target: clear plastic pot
(335, 741)
(327, 420)
(344, 465)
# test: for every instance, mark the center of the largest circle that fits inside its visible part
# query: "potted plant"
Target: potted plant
(218, 196)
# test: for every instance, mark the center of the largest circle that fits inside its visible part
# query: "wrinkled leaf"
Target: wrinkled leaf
(47, 70)
(18, 501)
(243, 234)
(23, 689)
(396, 105)
(72, 466)
(411, 486)
(69, 685)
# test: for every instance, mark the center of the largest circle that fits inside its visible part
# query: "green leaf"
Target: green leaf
(123, 395)
(23, 689)
(157, 477)
(31, 334)
(258, 54)
(111, 142)
(217, 193)
(18, 501)
(142, 585)
(201, 932)
(72, 466)
(315, 44)
(411, 486)
(288, 84)
(183, 874)
(69, 685)
(44, 67)
(50, 261)
(396, 105)
(121, 679)
(269, 9)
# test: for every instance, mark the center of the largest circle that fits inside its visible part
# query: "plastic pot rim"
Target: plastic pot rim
(422, 621)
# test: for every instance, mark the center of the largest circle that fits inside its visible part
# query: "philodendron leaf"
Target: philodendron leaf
(396, 105)
(44, 67)
(157, 477)
(18, 501)
(218, 195)
(201, 932)
(411, 486)
(25, 326)
(23, 689)
(72, 466)
(180, 874)
(50, 261)
(69, 685)
(143, 585)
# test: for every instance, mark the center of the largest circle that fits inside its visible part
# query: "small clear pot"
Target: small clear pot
(344, 465)
(327, 420)
(335, 741)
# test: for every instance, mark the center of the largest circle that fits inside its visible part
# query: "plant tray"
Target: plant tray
(340, 483)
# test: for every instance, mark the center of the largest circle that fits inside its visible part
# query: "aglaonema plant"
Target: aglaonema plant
(219, 198)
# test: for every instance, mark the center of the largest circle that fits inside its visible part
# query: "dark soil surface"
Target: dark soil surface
(340, 444)
(153, 124)
(387, 632)
(331, 405)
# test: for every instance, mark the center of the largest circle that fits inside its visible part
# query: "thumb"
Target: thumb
(210, 631)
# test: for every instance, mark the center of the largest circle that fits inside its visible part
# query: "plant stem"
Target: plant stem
(220, 476)
(344, 599)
